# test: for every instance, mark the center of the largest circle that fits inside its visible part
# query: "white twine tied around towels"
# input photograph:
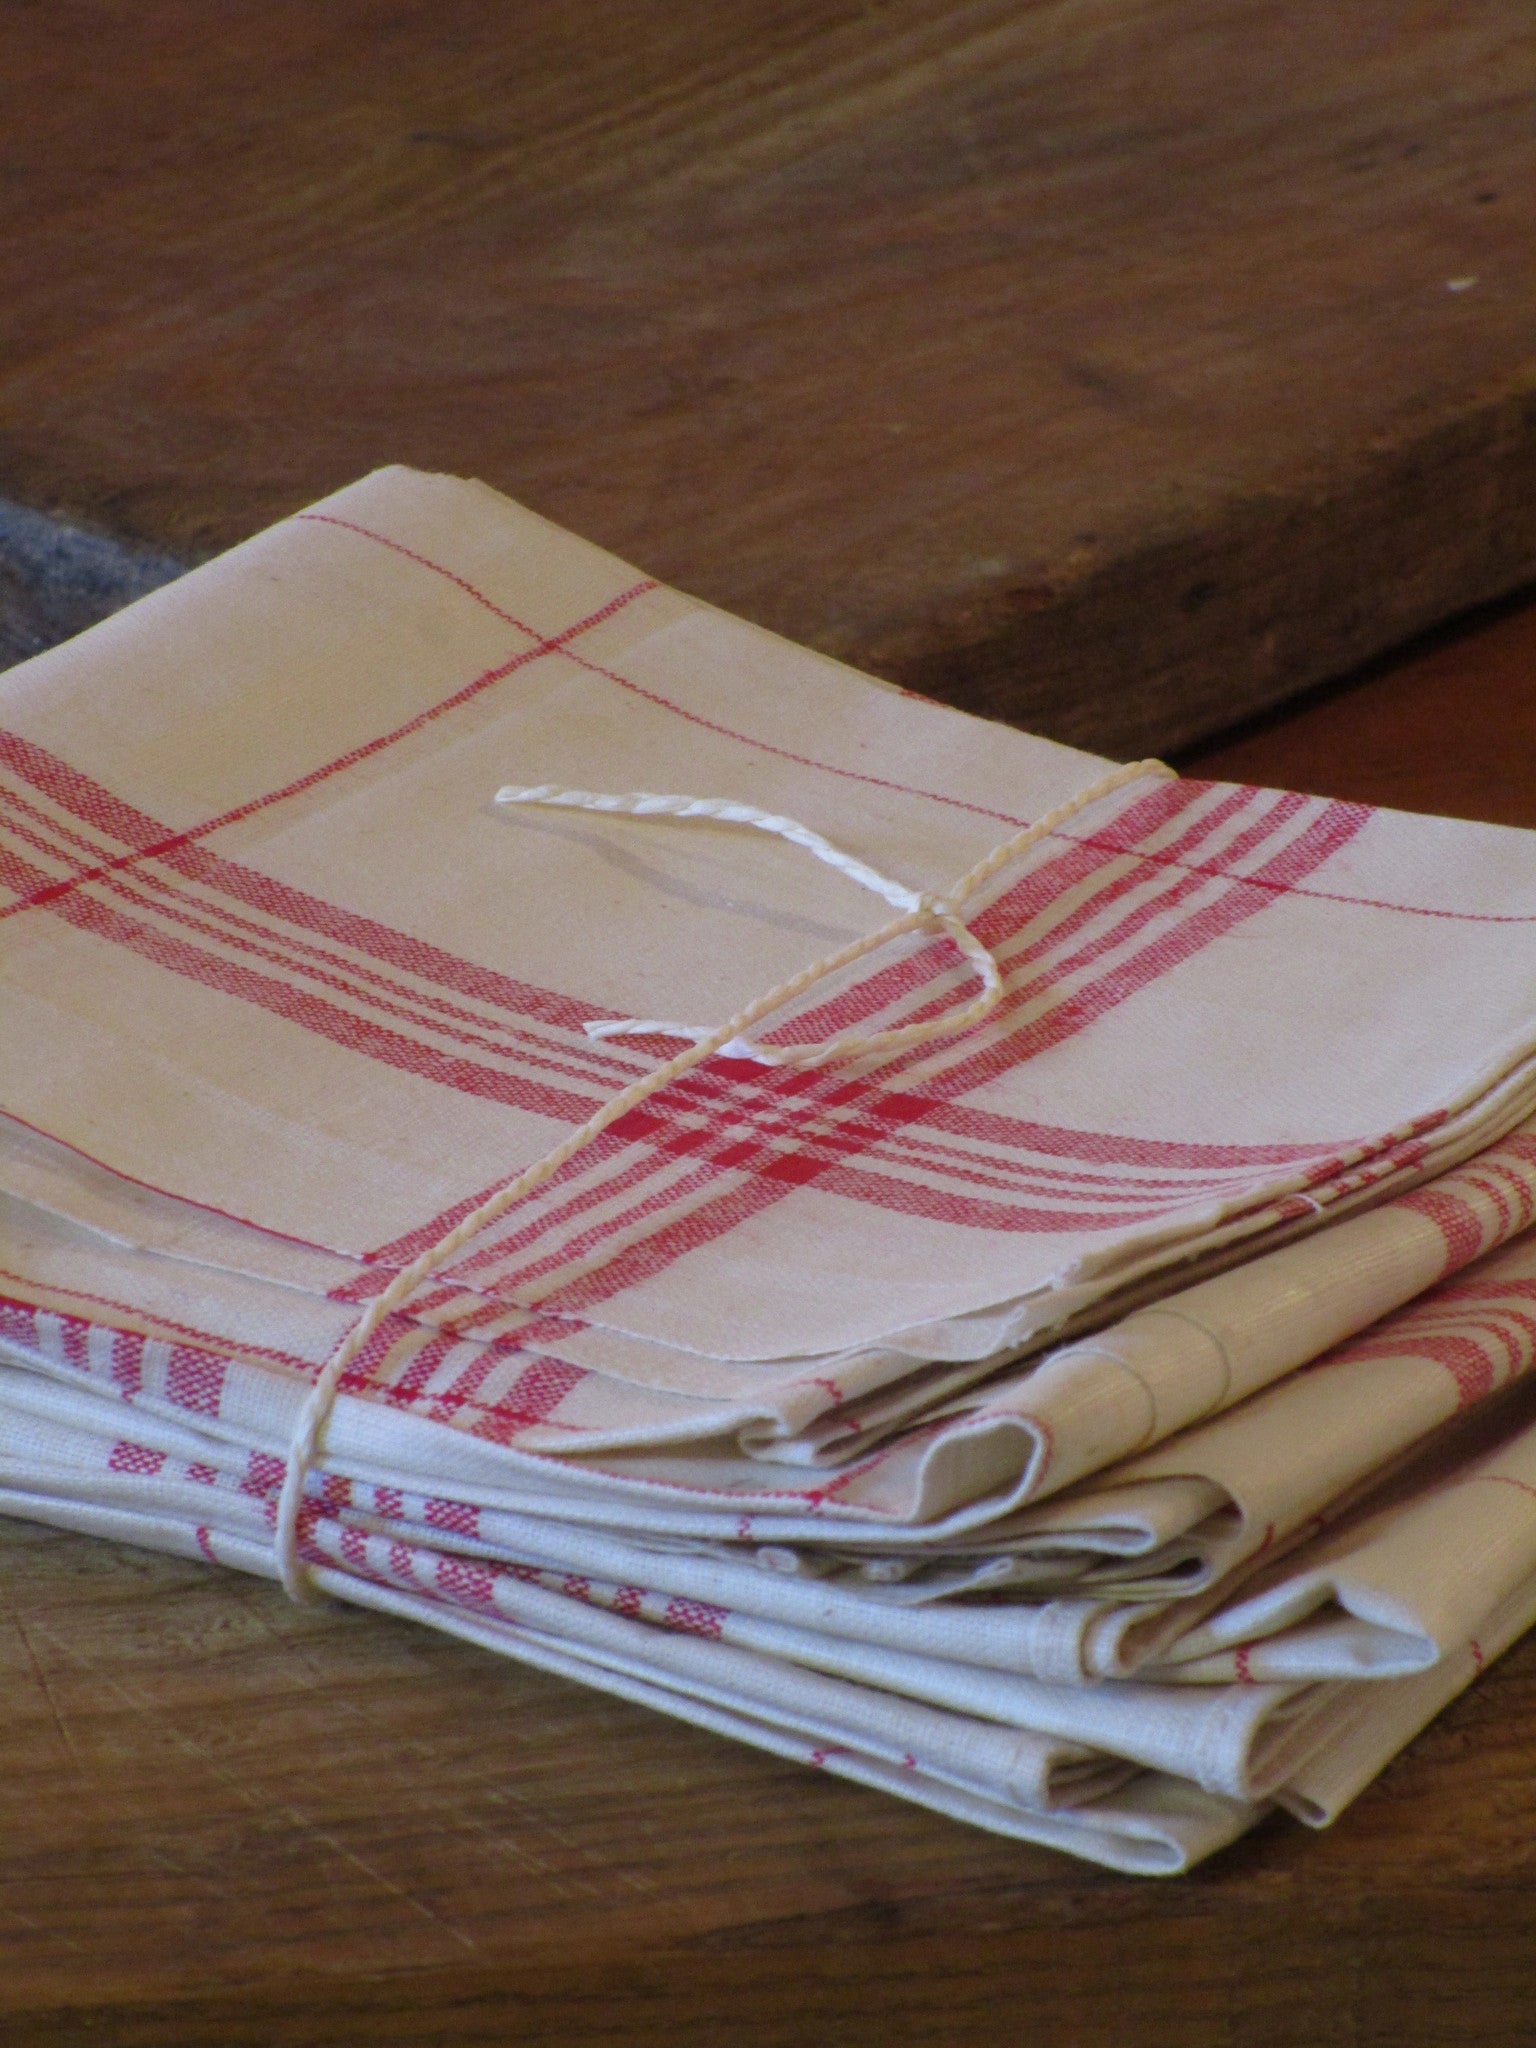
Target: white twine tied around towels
(917, 910)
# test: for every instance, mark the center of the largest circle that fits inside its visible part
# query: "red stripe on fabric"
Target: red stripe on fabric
(1499, 1198)
(759, 1093)
(1023, 907)
(127, 1348)
(194, 1381)
(1348, 902)
(280, 955)
(1449, 1324)
(1015, 910)
(924, 1155)
(1002, 1053)
(135, 1459)
(672, 1241)
(1502, 1479)
(666, 703)
(70, 791)
(14, 750)
(530, 1403)
(387, 1258)
(1449, 1298)
(1455, 1219)
(539, 1222)
(1470, 1367)
(1515, 1334)
(596, 1067)
(696, 1618)
(1522, 1188)
(18, 1325)
(456, 1517)
(465, 1583)
(463, 1390)
(989, 1127)
(1333, 829)
(264, 1475)
(813, 1150)
(325, 1019)
(19, 875)
(888, 1115)
(657, 1123)
(909, 1156)
(76, 1328)
(1512, 1186)
(806, 1166)
(427, 1361)
(76, 1337)
(777, 1176)
(1272, 821)
(725, 1159)
(364, 1375)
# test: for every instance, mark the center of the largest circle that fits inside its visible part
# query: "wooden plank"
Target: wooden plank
(1118, 366)
(226, 1819)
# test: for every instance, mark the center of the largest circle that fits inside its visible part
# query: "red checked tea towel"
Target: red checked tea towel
(382, 864)
(270, 946)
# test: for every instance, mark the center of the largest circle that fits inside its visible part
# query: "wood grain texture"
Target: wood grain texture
(224, 1819)
(1091, 363)
(1117, 366)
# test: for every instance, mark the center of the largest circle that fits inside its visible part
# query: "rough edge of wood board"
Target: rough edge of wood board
(1155, 650)
(1202, 630)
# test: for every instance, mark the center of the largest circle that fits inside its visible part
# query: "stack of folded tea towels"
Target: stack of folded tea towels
(534, 1105)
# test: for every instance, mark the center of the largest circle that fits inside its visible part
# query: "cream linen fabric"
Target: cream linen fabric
(1384, 1718)
(1245, 1741)
(949, 1655)
(586, 1391)
(1185, 1514)
(1393, 1589)
(849, 1678)
(281, 955)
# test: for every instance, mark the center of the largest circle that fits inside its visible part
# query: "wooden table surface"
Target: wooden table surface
(1121, 365)
(1115, 365)
(227, 1820)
